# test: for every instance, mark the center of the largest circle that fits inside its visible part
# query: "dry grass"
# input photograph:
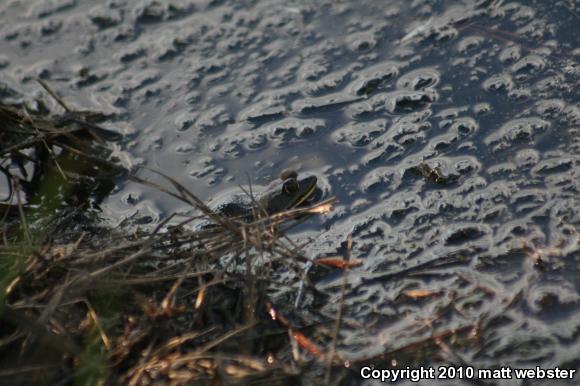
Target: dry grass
(172, 305)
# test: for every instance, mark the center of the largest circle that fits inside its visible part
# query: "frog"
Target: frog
(288, 192)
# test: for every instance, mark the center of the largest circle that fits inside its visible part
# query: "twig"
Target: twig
(339, 312)
(53, 94)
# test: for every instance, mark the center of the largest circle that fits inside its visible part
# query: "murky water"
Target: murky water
(448, 131)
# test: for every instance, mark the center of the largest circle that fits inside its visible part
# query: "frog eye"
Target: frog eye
(287, 174)
(290, 186)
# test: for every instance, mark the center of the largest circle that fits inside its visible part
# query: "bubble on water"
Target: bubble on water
(213, 117)
(502, 170)
(450, 113)
(465, 126)
(470, 44)
(313, 69)
(48, 8)
(328, 83)
(531, 64)
(292, 129)
(510, 54)
(554, 165)
(498, 83)
(374, 78)
(404, 101)
(528, 199)
(183, 147)
(361, 42)
(462, 233)
(105, 17)
(360, 134)
(548, 298)
(262, 112)
(527, 158)
(482, 108)
(419, 79)
(520, 94)
(256, 141)
(443, 142)
(522, 130)
(466, 165)
(152, 11)
(550, 108)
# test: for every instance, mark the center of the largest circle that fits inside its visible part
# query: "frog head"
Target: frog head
(290, 192)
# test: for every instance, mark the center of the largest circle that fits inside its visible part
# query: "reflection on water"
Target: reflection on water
(449, 132)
